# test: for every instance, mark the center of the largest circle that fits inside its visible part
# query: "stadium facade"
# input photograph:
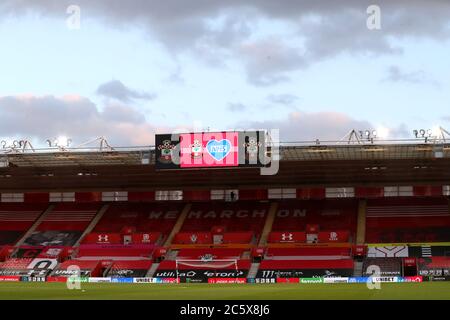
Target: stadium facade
(332, 211)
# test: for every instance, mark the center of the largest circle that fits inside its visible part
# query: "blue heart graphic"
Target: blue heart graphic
(218, 149)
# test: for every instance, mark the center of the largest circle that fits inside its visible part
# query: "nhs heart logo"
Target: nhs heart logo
(218, 149)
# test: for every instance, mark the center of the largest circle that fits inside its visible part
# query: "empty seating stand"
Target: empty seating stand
(130, 252)
(143, 221)
(329, 215)
(16, 219)
(64, 225)
(144, 217)
(231, 217)
(408, 220)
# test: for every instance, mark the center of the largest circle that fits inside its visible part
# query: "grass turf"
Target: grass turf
(36, 290)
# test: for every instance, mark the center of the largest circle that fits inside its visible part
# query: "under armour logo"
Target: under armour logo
(287, 237)
(102, 238)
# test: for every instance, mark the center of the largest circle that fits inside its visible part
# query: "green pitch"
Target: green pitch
(27, 290)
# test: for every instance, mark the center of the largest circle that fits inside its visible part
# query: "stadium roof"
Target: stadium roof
(302, 165)
(293, 151)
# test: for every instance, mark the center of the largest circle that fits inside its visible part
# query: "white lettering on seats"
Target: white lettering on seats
(210, 214)
(163, 215)
(195, 214)
(227, 214)
(299, 213)
(259, 213)
(283, 213)
(242, 214)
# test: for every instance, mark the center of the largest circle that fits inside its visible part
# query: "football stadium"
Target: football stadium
(196, 215)
(255, 156)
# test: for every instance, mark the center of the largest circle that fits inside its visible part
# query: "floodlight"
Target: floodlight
(63, 141)
(382, 133)
(436, 131)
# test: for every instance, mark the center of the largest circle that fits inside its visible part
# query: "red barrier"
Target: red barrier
(360, 250)
(145, 237)
(118, 250)
(409, 262)
(214, 253)
(103, 238)
(131, 264)
(237, 237)
(306, 264)
(308, 252)
(288, 237)
(333, 236)
(193, 238)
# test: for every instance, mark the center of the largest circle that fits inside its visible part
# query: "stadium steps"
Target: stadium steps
(253, 270)
(35, 225)
(177, 227)
(171, 255)
(107, 270)
(358, 269)
(93, 223)
(361, 224)
(268, 224)
(152, 270)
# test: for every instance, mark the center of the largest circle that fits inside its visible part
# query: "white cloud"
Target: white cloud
(215, 31)
(115, 89)
(38, 118)
(395, 74)
(303, 126)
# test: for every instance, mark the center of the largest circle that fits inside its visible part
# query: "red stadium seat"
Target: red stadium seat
(408, 220)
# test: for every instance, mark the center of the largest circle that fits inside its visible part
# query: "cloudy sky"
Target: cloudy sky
(129, 69)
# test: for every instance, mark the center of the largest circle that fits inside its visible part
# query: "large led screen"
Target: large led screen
(210, 150)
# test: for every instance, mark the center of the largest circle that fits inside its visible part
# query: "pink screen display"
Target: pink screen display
(209, 149)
